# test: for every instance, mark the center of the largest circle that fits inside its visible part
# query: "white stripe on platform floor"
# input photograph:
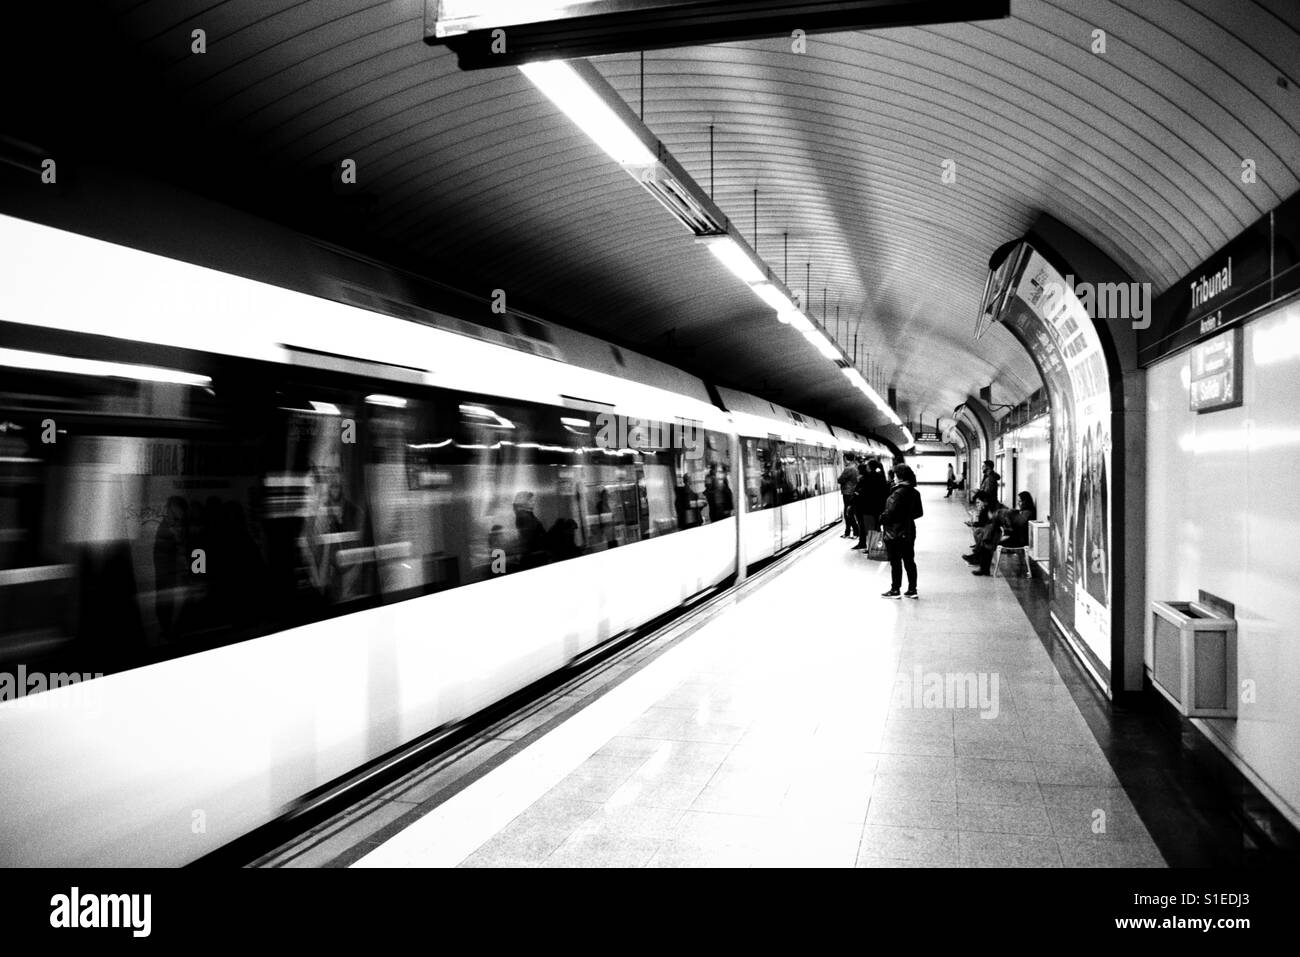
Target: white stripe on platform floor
(457, 827)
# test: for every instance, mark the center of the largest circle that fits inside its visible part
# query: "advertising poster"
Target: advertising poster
(1048, 318)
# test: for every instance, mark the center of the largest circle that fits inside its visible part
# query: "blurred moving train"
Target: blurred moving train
(297, 528)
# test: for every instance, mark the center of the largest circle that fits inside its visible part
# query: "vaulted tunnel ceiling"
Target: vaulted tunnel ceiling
(479, 179)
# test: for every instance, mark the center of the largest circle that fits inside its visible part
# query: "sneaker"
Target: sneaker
(971, 559)
(911, 594)
(859, 547)
(892, 593)
(980, 571)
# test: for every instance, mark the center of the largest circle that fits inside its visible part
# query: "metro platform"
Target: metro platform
(789, 727)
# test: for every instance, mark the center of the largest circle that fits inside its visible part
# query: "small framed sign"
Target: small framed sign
(1216, 373)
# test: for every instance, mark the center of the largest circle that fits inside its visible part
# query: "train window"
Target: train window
(130, 518)
(759, 490)
(412, 488)
(319, 514)
(173, 510)
(718, 493)
(785, 475)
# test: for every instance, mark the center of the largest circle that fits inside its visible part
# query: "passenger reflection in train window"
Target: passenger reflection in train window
(531, 532)
(717, 492)
(562, 539)
(332, 528)
(170, 564)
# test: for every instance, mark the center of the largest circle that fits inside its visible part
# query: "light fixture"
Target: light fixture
(324, 408)
(678, 199)
(577, 100)
(45, 362)
(735, 258)
(824, 345)
(774, 297)
(391, 401)
(582, 94)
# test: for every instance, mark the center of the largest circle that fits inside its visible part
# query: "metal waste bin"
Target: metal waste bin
(1194, 658)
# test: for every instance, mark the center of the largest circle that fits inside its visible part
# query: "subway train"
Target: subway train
(254, 536)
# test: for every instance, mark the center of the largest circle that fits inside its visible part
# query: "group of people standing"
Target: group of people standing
(883, 508)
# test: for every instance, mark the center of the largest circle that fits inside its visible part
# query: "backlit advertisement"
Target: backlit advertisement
(1048, 318)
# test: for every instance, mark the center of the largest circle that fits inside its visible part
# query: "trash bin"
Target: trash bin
(1194, 658)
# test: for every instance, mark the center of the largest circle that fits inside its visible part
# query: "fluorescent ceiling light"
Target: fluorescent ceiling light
(44, 362)
(801, 322)
(774, 297)
(824, 345)
(391, 401)
(575, 423)
(736, 258)
(592, 114)
(325, 408)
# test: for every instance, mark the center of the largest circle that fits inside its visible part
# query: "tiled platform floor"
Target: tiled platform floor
(788, 735)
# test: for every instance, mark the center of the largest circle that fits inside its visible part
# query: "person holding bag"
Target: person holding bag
(898, 526)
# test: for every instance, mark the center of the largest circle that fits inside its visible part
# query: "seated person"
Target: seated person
(987, 506)
(983, 523)
(1025, 504)
(1009, 529)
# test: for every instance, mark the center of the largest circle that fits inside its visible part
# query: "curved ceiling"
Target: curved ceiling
(483, 182)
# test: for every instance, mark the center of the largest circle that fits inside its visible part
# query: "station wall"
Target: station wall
(1223, 515)
(1033, 444)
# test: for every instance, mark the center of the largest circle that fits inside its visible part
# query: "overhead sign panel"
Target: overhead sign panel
(1259, 266)
(493, 33)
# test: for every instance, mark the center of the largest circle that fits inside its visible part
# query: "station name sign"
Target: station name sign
(1216, 373)
(1259, 266)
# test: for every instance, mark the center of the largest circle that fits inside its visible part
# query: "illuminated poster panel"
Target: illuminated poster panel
(1048, 318)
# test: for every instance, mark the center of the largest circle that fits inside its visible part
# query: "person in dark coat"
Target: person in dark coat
(989, 482)
(848, 486)
(898, 525)
(869, 502)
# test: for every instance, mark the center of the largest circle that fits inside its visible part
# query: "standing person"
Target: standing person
(898, 521)
(873, 489)
(989, 482)
(848, 485)
(952, 480)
